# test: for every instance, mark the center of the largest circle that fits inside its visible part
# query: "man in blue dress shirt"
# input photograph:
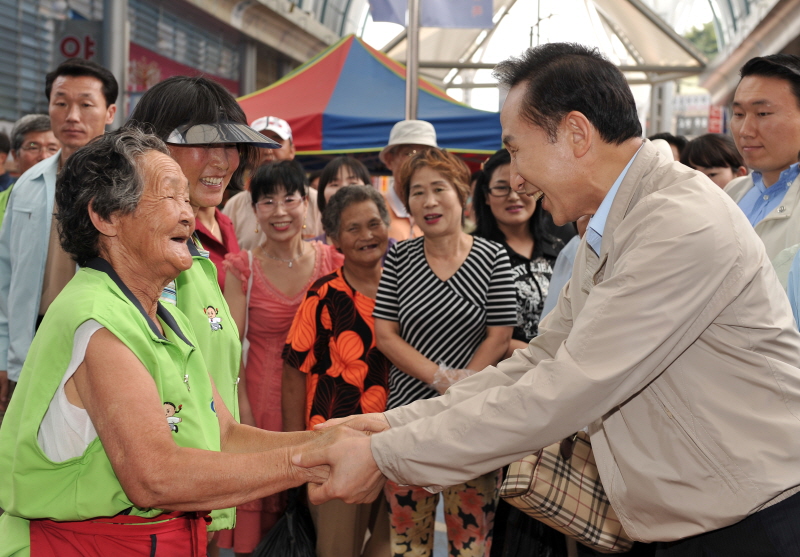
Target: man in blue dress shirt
(766, 129)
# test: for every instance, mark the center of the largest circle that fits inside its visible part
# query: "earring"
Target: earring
(304, 224)
(256, 229)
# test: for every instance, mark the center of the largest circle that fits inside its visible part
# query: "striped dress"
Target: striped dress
(445, 321)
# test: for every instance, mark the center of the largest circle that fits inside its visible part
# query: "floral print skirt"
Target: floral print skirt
(468, 511)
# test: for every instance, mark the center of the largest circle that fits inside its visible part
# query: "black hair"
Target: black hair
(5, 144)
(485, 221)
(190, 101)
(677, 140)
(712, 150)
(78, 67)
(782, 66)
(562, 77)
(331, 172)
(269, 178)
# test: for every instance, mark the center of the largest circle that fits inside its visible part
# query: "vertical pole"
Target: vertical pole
(412, 60)
(249, 65)
(115, 51)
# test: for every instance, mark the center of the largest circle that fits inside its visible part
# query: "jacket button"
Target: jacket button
(781, 209)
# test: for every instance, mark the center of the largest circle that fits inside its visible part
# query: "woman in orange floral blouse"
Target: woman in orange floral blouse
(332, 367)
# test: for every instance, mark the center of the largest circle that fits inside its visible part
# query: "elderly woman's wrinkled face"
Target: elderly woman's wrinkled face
(363, 235)
(208, 168)
(154, 236)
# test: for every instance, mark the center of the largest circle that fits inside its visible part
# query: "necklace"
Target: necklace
(289, 262)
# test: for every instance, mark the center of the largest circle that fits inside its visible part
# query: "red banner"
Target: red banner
(716, 119)
(147, 68)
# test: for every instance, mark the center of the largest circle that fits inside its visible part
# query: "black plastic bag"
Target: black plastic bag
(293, 535)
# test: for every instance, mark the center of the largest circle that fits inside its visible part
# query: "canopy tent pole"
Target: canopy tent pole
(412, 60)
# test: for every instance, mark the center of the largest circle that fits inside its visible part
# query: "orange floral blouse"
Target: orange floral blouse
(332, 339)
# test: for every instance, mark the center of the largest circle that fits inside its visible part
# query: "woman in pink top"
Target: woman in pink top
(283, 268)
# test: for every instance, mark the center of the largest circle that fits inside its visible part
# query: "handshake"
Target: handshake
(342, 445)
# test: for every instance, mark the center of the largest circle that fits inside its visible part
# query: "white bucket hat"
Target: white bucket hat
(410, 132)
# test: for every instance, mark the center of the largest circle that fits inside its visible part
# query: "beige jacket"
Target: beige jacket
(780, 229)
(677, 346)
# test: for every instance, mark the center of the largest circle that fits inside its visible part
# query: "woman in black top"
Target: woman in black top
(520, 224)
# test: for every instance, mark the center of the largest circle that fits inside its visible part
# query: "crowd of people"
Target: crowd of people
(188, 328)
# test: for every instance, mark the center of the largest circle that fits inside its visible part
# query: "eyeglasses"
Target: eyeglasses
(36, 149)
(289, 202)
(500, 191)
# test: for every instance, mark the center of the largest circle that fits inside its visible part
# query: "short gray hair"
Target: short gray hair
(27, 124)
(106, 173)
(342, 199)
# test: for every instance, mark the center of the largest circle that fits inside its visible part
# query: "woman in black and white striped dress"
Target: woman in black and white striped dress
(445, 308)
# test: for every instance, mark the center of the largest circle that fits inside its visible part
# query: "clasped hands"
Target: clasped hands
(344, 445)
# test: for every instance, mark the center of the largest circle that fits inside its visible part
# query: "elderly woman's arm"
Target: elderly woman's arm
(153, 470)
(492, 349)
(401, 353)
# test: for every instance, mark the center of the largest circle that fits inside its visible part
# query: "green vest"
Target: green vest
(86, 487)
(218, 340)
(4, 202)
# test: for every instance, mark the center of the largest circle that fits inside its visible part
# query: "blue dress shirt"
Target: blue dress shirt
(761, 200)
(594, 231)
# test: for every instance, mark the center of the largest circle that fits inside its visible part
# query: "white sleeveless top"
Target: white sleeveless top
(67, 430)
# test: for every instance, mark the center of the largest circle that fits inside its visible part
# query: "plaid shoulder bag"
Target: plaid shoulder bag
(560, 486)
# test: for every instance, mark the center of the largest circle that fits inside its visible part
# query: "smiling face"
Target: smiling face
(539, 165)
(78, 111)
(281, 216)
(363, 235)
(208, 168)
(513, 209)
(766, 125)
(345, 177)
(155, 234)
(434, 203)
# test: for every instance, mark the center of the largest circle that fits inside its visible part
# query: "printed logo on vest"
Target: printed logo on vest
(172, 420)
(213, 320)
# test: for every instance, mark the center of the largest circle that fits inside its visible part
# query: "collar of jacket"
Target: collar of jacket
(629, 193)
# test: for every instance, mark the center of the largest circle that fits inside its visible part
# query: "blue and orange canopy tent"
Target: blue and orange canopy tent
(346, 100)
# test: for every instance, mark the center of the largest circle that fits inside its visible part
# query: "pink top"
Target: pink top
(270, 317)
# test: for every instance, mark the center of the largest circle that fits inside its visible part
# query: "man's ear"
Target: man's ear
(741, 171)
(111, 111)
(105, 227)
(578, 132)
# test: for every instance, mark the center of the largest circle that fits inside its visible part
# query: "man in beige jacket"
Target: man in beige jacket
(673, 341)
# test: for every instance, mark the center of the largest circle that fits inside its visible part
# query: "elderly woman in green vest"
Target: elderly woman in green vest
(118, 441)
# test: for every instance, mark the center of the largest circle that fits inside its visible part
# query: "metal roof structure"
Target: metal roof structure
(647, 49)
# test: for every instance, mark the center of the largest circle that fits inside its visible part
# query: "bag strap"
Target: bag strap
(245, 343)
(249, 289)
